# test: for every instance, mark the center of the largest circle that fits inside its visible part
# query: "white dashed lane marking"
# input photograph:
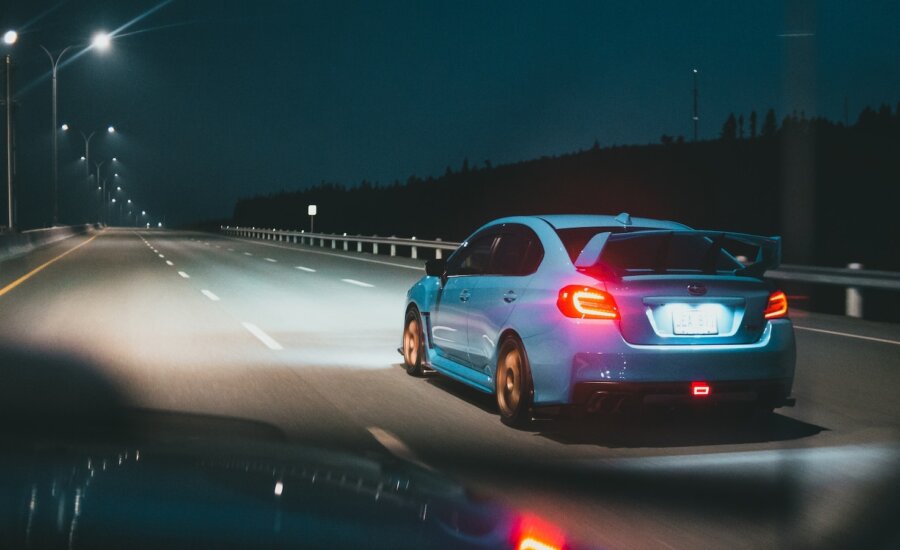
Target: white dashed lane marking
(357, 283)
(306, 269)
(183, 274)
(169, 262)
(210, 295)
(395, 446)
(271, 260)
(262, 336)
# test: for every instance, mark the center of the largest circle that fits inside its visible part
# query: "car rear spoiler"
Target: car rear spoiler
(768, 249)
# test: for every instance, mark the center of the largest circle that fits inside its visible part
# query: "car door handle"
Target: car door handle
(464, 296)
(510, 297)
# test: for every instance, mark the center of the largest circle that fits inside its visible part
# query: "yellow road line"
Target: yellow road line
(39, 268)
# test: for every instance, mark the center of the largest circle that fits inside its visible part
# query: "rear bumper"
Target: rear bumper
(581, 353)
(623, 396)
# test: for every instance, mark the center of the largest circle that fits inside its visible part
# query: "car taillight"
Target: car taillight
(777, 306)
(584, 302)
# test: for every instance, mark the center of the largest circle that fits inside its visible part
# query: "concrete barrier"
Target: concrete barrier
(14, 244)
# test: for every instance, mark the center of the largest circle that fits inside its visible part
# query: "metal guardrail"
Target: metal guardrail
(302, 237)
(853, 277)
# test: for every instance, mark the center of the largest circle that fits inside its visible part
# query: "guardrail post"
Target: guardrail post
(359, 246)
(333, 243)
(853, 301)
(375, 246)
(393, 246)
(413, 252)
(438, 253)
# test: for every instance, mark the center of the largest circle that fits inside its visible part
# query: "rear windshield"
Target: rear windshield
(576, 238)
(658, 252)
(670, 253)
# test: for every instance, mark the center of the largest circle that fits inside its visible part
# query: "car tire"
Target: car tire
(514, 390)
(413, 343)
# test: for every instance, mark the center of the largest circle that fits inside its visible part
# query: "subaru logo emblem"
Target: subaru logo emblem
(696, 289)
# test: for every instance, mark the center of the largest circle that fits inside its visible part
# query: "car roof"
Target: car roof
(570, 221)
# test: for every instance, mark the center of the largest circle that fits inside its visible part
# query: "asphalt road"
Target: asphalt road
(303, 340)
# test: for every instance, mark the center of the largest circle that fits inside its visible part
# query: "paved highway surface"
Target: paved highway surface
(303, 340)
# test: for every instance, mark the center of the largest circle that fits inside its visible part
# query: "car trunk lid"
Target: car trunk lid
(685, 287)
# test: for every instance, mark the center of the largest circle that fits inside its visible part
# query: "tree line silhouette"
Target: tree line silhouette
(733, 183)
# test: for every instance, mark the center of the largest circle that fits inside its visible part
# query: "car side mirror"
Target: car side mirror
(435, 267)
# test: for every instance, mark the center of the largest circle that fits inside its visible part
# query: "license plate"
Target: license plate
(694, 321)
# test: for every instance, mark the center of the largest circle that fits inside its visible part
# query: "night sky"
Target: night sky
(217, 100)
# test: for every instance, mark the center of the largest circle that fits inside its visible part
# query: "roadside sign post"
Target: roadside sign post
(311, 210)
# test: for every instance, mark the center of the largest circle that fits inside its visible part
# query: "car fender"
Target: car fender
(424, 293)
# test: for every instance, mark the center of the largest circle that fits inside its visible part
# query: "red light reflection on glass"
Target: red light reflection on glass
(535, 533)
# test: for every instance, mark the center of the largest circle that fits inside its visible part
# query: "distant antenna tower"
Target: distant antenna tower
(696, 112)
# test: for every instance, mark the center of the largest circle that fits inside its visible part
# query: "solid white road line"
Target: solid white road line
(183, 274)
(357, 283)
(306, 269)
(394, 446)
(848, 335)
(169, 262)
(272, 260)
(210, 295)
(262, 336)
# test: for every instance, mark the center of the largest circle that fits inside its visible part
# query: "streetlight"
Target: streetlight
(101, 41)
(9, 38)
(87, 147)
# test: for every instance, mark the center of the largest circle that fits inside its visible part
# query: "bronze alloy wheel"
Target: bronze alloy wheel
(513, 383)
(413, 343)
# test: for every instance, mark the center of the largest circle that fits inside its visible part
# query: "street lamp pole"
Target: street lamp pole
(87, 151)
(9, 148)
(696, 116)
(102, 192)
(54, 64)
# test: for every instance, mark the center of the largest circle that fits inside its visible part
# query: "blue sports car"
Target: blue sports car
(602, 314)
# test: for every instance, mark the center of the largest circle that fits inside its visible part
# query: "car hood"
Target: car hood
(269, 494)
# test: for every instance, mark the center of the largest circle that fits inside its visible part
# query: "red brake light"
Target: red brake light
(777, 306)
(699, 389)
(584, 302)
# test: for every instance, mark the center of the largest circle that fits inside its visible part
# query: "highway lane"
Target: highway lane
(305, 340)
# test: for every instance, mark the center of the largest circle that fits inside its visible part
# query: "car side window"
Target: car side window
(475, 257)
(518, 252)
